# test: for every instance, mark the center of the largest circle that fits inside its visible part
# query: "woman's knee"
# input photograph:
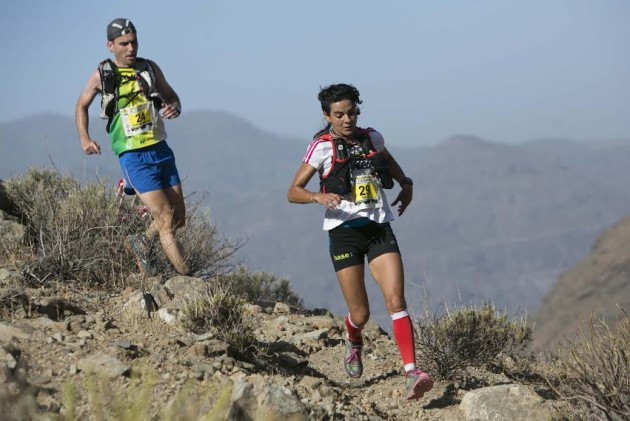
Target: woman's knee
(395, 304)
(360, 317)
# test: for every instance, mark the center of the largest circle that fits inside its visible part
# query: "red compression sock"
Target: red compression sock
(403, 335)
(354, 332)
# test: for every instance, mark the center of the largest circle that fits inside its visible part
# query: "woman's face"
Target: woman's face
(343, 117)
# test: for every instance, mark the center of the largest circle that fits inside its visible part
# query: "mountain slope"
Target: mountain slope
(489, 221)
(599, 285)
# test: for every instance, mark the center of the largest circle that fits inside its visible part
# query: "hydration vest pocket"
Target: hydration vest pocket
(387, 182)
(108, 106)
(337, 185)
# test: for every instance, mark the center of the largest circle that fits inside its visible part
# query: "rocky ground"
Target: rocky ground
(141, 354)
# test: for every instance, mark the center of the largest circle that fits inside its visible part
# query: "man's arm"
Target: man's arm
(172, 106)
(81, 116)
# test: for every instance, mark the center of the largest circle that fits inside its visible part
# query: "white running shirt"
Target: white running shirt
(319, 156)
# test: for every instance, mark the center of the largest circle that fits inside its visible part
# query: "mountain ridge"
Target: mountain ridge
(489, 221)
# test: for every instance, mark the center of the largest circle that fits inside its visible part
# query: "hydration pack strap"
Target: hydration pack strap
(109, 87)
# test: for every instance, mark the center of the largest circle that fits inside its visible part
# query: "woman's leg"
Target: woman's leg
(352, 283)
(387, 270)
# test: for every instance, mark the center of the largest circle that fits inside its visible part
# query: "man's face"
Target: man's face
(125, 50)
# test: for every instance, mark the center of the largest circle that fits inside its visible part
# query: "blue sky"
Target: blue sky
(427, 69)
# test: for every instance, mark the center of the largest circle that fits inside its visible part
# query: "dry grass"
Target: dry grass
(220, 311)
(94, 398)
(260, 286)
(75, 234)
(593, 371)
(469, 336)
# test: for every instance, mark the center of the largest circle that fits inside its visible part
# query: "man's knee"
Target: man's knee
(179, 222)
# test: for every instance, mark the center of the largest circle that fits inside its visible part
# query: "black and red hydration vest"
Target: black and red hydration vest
(347, 158)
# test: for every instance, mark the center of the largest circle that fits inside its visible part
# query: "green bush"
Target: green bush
(260, 286)
(593, 371)
(467, 337)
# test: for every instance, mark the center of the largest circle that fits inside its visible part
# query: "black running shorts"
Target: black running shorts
(350, 244)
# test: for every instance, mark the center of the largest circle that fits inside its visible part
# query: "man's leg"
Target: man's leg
(163, 212)
(176, 199)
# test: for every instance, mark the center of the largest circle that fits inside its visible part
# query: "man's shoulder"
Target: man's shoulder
(139, 60)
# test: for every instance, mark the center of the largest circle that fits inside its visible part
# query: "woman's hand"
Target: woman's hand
(328, 200)
(404, 197)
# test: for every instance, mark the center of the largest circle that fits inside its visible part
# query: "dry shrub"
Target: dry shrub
(92, 397)
(76, 233)
(469, 337)
(220, 311)
(260, 286)
(207, 252)
(593, 371)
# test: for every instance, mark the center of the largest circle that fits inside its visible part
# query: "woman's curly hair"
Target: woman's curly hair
(336, 93)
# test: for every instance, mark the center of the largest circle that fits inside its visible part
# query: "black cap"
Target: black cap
(119, 27)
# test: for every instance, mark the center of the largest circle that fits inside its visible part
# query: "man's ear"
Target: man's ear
(110, 46)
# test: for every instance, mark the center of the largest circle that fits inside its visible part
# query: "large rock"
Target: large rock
(254, 398)
(104, 365)
(5, 203)
(11, 231)
(505, 402)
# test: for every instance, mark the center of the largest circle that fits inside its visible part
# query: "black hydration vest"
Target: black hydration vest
(347, 158)
(109, 86)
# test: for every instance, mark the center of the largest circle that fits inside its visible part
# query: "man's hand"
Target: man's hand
(169, 111)
(91, 147)
(404, 197)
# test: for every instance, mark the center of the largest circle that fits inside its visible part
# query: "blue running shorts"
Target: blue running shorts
(149, 169)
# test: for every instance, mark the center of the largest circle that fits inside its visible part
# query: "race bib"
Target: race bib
(365, 190)
(139, 119)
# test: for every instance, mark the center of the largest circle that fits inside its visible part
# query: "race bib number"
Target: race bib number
(365, 190)
(139, 119)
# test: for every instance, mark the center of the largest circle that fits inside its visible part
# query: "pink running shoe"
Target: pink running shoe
(417, 383)
(352, 359)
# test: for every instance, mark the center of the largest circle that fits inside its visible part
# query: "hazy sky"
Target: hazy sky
(427, 69)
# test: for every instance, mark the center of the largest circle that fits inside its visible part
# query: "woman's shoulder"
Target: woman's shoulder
(375, 136)
(318, 148)
(319, 142)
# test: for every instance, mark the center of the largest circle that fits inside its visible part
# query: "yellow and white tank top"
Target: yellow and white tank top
(138, 123)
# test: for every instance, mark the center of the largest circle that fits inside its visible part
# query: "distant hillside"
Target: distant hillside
(489, 220)
(502, 221)
(599, 284)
